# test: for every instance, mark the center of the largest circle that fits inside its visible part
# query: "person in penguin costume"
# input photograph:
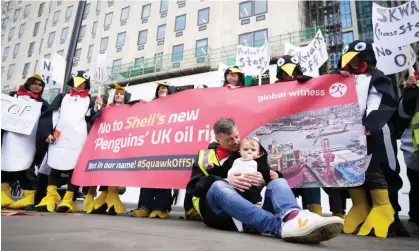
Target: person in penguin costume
(108, 202)
(233, 78)
(18, 151)
(375, 204)
(288, 69)
(155, 202)
(62, 130)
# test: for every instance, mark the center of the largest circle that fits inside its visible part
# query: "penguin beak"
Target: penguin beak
(78, 81)
(289, 68)
(347, 57)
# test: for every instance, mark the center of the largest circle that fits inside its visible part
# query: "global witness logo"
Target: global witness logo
(338, 90)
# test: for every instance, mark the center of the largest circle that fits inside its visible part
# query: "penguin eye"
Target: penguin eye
(360, 46)
(74, 74)
(345, 49)
(86, 75)
(294, 60)
(280, 62)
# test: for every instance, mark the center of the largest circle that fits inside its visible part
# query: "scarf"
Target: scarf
(23, 92)
(83, 94)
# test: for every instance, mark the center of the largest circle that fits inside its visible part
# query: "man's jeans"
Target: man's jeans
(223, 199)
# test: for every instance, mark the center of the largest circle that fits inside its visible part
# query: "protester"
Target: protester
(62, 130)
(156, 202)
(18, 151)
(378, 103)
(218, 202)
(233, 78)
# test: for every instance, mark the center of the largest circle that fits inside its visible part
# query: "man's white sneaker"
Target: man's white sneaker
(308, 227)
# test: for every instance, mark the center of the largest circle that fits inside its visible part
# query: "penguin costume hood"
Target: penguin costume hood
(234, 69)
(364, 51)
(170, 88)
(290, 66)
(78, 78)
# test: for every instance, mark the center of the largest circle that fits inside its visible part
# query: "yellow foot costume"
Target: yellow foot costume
(115, 205)
(49, 202)
(139, 212)
(193, 215)
(381, 215)
(88, 203)
(99, 204)
(342, 216)
(359, 211)
(6, 199)
(67, 205)
(159, 214)
(315, 208)
(27, 200)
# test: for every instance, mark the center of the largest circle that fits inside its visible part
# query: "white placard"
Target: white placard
(396, 26)
(393, 60)
(19, 115)
(253, 61)
(221, 69)
(47, 69)
(312, 56)
(58, 69)
(100, 72)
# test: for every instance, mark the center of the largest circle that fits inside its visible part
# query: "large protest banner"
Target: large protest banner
(19, 115)
(154, 144)
(396, 26)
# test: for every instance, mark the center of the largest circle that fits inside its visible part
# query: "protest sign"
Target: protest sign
(155, 144)
(19, 115)
(52, 72)
(253, 61)
(101, 73)
(393, 60)
(396, 26)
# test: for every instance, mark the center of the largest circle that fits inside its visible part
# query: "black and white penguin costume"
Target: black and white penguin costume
(18, 153)
(288, 65)
(374, 203)
(69, 119)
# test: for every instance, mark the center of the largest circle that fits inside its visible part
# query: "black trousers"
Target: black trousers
(413, 177)
(187, 203)
(337, 199)
(55, 179)
(155, 199)
(27, 178)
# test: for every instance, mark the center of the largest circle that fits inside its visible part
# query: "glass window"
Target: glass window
(16, 15)
(16, 50)
(104, 44)
(108, 19)
(254, 39)
(51, 37)
(90, 51)
(145, 13)
(245, 9)
(41, 8)
(4, 22)
(120, 40)
(31, 47)
(36, 27)
(177, 53)
(259, 37)
(142, 37)
(345, 11)
(201, 47)
(139, 62)
(82, 31)
(27, 10)
(116, 66)
(56, 16)
(11, 70)
(61, 53)
(98, 5)
(261, 6)
(26, 68)
(64, 33)
(6, 52)
(69, 11)
(246, 39)
(22, 29)
(180, 23)
(36, 65)
(203, 16)
(161, 32)
(94, 28)
(11, 32)
(348, 37)
(125, 14)
(164, 6)
(86, 10)
(77, 54)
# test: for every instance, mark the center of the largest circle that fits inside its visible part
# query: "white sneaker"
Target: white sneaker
(308, 227)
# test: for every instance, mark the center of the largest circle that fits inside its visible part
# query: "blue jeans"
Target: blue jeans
(223, 199)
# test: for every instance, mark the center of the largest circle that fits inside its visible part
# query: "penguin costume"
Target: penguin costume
(18, 151)
(234, 70)
(289, 69)
(108, 202)
(62, 130)
(375, 204)
(155, 202)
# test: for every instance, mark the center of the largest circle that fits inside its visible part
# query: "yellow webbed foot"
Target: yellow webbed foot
(99, 204)
(67, 205)
(159, 214)
(359, 211)
(114, 202)
(6, 199)
(315, 208)
(139, 212)
(381, 215)
(49, 202)
(88, 203)
(27, 200)
(192, 215)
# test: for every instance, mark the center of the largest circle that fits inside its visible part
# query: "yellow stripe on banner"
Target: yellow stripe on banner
(201, 160)
(195, 203)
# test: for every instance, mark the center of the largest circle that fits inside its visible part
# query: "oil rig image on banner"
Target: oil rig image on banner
(324, 147)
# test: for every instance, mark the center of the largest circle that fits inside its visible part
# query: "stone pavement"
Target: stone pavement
(60, 232)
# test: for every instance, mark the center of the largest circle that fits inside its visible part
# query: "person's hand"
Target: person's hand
(49, 139)
(231, 87)
(367, 132)
(345, 74)
(411, 82)
(273, 175)
(256, 179)
(237, 181)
